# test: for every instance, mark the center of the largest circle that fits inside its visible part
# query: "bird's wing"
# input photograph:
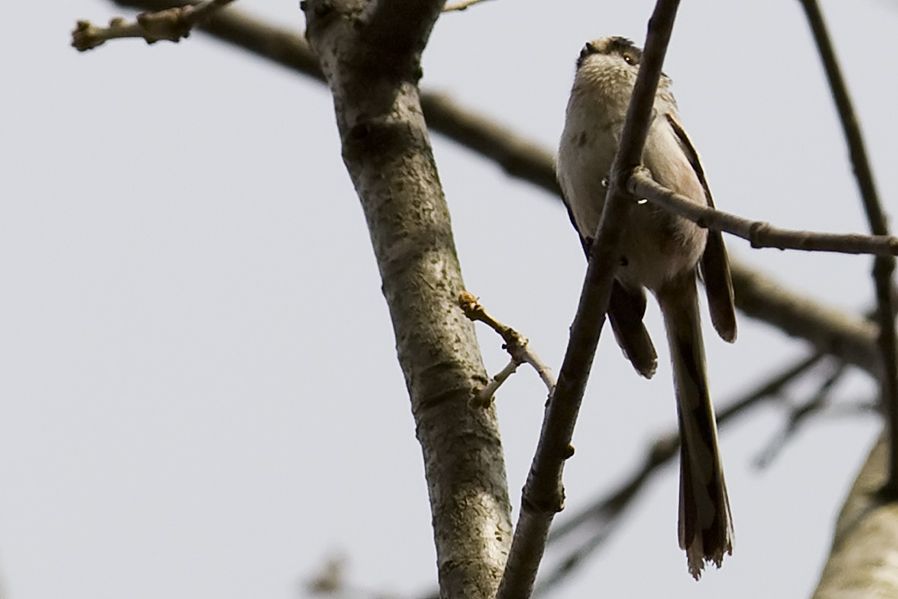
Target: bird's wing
(715, 264)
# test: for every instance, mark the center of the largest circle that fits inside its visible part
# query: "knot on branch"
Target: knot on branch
(551, 503)
(756, 233)
(171, 24)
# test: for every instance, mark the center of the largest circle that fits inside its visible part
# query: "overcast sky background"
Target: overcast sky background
(200, 396)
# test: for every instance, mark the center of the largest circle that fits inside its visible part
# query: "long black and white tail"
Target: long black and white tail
(705, 525)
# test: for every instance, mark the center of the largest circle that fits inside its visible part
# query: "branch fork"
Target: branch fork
(515, 344)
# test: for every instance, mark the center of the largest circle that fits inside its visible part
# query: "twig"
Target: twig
(759, 233)
(543, 494)
(484, 397)
(463, 5)
(517, 346)
(170, 24)
(605, 513)
(799, 415)
(883, 267)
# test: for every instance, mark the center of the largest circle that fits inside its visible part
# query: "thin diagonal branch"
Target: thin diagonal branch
(883, 266)
(543, 494)
(759, 233)
(169, 24)
(604, 514)
(665, 448)
(799, 415)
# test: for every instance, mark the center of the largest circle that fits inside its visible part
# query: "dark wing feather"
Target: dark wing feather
(626, 309)
(715, 264)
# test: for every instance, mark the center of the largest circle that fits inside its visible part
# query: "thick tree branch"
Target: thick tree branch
(862, 560)
(883, 266)
(387, 152)
(543, 494)
(401, 27)
(759, 233)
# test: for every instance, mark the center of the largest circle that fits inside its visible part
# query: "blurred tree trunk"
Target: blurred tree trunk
(863, 562)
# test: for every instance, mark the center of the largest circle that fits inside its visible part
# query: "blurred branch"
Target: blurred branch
(759, 233)
(517, 346)
(543, 494)
(800, 414)
(883, 266)
(834, 332)
(170, 24)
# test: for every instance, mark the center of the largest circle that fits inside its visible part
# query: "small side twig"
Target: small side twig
(883, 267)
(170, 24)
(517, 346)
(460, 6)
(759, 233)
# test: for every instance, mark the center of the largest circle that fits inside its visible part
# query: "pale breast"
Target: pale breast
(656, 245)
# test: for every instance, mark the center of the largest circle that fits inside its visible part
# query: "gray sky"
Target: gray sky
(199, 390)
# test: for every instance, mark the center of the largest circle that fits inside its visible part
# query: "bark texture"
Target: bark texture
(369, 53)
(863, 563)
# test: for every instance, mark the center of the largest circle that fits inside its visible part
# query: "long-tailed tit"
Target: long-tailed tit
(663, 253)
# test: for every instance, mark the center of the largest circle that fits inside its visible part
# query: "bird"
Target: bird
(663, 253)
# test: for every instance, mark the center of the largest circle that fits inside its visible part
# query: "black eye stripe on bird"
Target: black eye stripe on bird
(662, 253)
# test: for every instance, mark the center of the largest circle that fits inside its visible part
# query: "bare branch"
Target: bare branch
(830, 331)
(517, 346)
(543, 494)
(800, 414)
(883, 266)
(170, 24)
(760, 234)
(518, 156)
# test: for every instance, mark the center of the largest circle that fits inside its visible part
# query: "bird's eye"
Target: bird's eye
(628, 58)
